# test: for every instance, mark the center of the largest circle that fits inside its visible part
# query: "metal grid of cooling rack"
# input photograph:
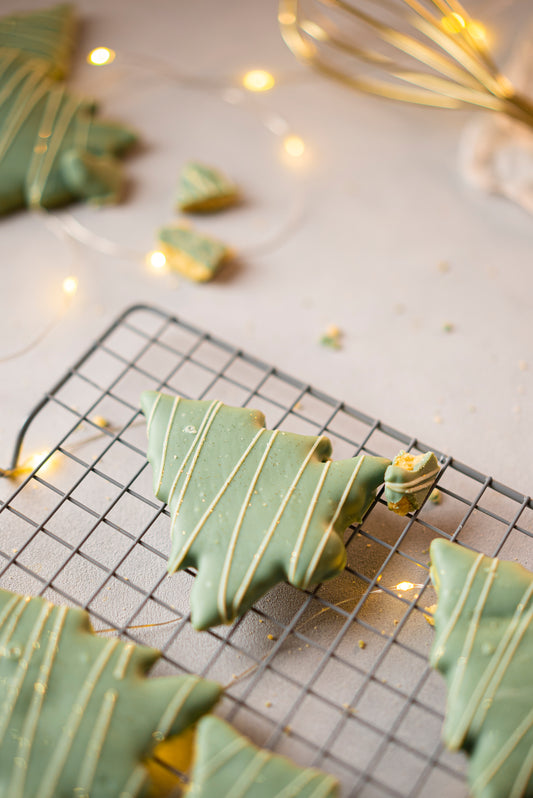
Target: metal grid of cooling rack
(336, 677)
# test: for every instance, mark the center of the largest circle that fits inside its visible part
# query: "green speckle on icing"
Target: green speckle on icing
(484, 647)
(227, 764)
(250, 506)
(77, 716)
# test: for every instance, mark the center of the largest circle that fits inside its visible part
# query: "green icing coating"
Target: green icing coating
(77, 715)
(250, 506)
(46, 34)
(409, 480)
(227, 765)
(203, 189)
(484, 647)
(53, 149)
(191, 253)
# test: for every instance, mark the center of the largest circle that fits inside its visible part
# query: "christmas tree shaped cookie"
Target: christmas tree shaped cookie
(203, 189)
(53, 149)
(408, 481)
(484, 647)
(250, 506)
(227, 765)
(77, 715)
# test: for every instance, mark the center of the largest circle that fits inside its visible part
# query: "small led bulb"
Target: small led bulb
(294, 146)
(258, 80)
(101, 56)
(157, 259)
(70, 286)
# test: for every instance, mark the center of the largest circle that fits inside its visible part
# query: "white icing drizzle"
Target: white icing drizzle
(73, 722)
(165, 442)
(19, 607)
(297, 551)
(250, 773)
(495, 670)
(96, 744)
(15, 683)
(51, 109)
(471, 633)
(31, 720)
(257, 557)
(135, 783)
(33, 90)
(413, 485)
(325, 786)
(461, 601)
(176, 562)
(152, 413)
(9, 607)
(518, 789)
(223, 757)
(66, 115)
(226, 568)
(320, 548)
(198, 441)
(504, 753)
(175, 705)
(16, 78)
(123, 661)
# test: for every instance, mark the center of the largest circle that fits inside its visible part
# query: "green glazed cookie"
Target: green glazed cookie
(203, 189)
(191, 253)
(227, 765)
(484, 647)
(409, 480)
(45, 34)
(250, 507)
(53, 149)
(78, 718)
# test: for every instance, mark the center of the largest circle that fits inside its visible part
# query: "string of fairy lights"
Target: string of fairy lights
(293, 147)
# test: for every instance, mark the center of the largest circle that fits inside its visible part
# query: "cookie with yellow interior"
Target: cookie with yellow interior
(409, 480)
(204, 189)
(191, 253)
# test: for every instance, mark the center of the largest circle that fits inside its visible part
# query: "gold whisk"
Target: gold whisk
(429, 52)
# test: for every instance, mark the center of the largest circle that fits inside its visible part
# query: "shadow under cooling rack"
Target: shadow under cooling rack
(336, 677)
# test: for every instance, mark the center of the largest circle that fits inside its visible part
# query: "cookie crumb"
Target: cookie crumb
(361, 644)
(429, 618)
(332, 337)
(435, 496)
(448, 327)
(437, 419)
(100, 421)
(522, 365)
(443, 266)
(271, 637)
(268, 704)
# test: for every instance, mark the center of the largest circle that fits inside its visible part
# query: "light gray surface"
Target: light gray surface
(384, 204)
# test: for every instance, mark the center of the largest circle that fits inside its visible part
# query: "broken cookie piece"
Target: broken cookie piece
(191, 253)
(204, 189)
(409, 480)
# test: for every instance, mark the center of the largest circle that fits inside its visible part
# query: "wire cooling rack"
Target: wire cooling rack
(336, 677)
